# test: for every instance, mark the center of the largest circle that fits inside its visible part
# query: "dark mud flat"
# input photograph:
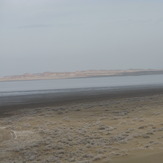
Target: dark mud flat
(76, 95)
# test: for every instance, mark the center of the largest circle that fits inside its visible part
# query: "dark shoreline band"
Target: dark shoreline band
(78, 95)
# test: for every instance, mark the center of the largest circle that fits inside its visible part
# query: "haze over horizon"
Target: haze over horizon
(57, 36)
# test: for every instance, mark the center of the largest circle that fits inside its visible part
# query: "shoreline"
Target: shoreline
(77, 96)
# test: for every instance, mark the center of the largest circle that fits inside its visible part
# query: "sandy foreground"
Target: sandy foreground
(121, 130)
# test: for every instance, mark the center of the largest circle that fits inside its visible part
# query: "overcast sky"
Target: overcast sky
(72, 35)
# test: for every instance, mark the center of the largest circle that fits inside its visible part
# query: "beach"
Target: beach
(118, 126)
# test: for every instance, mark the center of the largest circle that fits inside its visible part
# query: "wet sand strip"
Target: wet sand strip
(8, 103)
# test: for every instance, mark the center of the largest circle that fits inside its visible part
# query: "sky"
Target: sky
(72, 35)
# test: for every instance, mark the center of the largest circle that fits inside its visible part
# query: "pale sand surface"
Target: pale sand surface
(121, 130)
(142, 157)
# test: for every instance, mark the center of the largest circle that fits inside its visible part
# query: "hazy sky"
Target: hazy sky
(72, 35)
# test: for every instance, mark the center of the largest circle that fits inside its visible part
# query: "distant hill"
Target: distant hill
(81, 74)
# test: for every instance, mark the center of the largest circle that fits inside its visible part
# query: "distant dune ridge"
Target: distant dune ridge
(81, 74)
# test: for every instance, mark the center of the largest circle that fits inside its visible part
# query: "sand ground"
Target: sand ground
(120, 130)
